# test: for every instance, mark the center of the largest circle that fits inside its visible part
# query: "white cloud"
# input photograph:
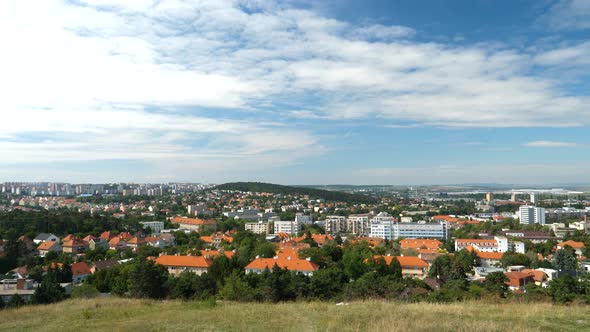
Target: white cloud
(568, 15)
(550, 144)
(144, 80)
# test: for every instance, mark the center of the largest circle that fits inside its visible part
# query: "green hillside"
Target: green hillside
(290, 190)
(144, 315)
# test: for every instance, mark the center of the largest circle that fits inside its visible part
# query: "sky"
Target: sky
(296, 91)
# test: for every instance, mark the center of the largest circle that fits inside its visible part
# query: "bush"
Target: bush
(85, 291)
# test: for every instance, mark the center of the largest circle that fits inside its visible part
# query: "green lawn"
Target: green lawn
(142, 315)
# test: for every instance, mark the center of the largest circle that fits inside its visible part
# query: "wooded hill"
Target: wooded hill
(327, 195)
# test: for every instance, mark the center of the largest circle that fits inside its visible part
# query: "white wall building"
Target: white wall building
(155, 226)
(258, 227)
(529, 215)
(303, 219)
(391, 230)
(289, 227)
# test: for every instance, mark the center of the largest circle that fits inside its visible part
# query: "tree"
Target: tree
(147, 279)
(514, 258)
(220, 268)
(565, 259)
(496, 283)
(236, 289)
(2, 304)
(355, 259)
(48, 291)
(563, 289)
(441, 268)
(265, 250)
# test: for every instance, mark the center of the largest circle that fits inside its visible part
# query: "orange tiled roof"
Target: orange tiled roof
(445, 218)
(289, 263)
(318, 238)
(193, 221)
(210, 254)
(404, 261)
(106, 235)
(486, 255)
(116, 240)
(46, 245)
(571, 243)
(539, 276)
(419, 243)
(183, 261)
(80, 268)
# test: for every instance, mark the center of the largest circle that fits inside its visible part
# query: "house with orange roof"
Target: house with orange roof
(135, 243)
(80, 271)
(320, 239)
(178, 264)
(487, 259)
(117, 243)
(577, 246)
(412, 266)
(212, 254)
(98, 242)
(291, 263)
(68, 237)
(217, 239)
(48, 246)
(195, 224)
(74, 246)
(430, 246)
(87, 238)
(518, 280)
(496, 244)
(106, 235)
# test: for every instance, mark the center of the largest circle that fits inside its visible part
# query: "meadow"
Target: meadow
(118, 314)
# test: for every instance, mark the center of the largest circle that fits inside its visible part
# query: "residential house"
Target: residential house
(577, 246)
(103, 265)
(106, 235)
(80, 271)
(412, 266)
(48, 246)
(97, 243)
(421, 245)
(117, 243)
(212, 254)
(178, 264)
(518, 280)
(22, 287)
(320, 239)
(42, 237)
(217, 239)
(291, 263)
(135, 243)
(74, 246)
(195, 224)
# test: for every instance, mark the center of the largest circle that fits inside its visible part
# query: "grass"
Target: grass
(117, 314)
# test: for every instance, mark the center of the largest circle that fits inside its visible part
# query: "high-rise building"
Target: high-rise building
(392, 230)
(489, 197)
(529, 215)
(513, 197)
(533, 198)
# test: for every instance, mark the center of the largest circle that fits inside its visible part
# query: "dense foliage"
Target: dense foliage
(337, 196)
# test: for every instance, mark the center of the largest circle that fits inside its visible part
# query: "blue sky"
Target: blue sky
(295, 92)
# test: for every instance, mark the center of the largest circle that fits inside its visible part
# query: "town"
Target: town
(262, 242)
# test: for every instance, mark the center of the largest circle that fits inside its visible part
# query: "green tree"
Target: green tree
(236, 289)
(355, 259)
(265, 250)
(48, 291)
(496, 283)
(565, 259)
(148, 280)
(563, 289)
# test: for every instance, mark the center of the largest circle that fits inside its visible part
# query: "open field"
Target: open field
(143, 315)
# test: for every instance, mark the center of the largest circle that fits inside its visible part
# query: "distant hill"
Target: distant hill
(288, 190)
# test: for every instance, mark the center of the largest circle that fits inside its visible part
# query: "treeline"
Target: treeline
(336, 196)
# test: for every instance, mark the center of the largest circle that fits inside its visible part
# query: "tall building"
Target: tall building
(513, 197)
(529, 215)
(392, 230)
(489, 197)
(533, 198)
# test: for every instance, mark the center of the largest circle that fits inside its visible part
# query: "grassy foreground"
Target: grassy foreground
(142, 315)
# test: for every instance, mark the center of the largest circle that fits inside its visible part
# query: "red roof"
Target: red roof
(419, 243)
(571, 243)
(80, 268)
(404, 261)
(183, 261)
(289, 263)
(193, 221)
(46, 245)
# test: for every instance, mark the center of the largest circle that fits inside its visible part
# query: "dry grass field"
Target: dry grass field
(143, 315)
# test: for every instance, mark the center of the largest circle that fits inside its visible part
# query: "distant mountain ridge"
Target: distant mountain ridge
(290, 190)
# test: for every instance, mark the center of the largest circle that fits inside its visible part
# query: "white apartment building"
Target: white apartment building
(529, 215)
(258, 227)
(289, 227)
(391, 230)
(358, 224)
(303, 219)
(155, 226)
(497, 244)
(335, 224)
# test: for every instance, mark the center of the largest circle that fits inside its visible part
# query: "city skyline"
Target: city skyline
(371, 92)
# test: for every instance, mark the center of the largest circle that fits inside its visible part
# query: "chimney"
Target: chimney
(308, 259)
(20, 283)
(257, 256)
